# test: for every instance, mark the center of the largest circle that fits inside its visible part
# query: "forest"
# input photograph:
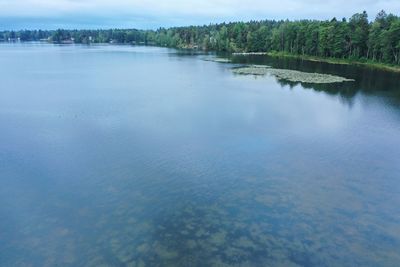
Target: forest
(357, 38)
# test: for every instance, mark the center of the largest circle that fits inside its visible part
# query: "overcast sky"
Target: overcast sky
(145, 14)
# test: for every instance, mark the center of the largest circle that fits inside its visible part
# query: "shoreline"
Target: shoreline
(330, 60)
(337, 61)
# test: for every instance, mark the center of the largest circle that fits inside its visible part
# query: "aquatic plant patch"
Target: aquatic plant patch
(219, 60)
(290, 75)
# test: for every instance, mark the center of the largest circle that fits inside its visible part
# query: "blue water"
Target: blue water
(143, 156)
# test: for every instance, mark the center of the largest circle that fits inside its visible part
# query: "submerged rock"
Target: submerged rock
(290, 75)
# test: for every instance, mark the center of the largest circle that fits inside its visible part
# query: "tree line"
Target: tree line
(356, 38)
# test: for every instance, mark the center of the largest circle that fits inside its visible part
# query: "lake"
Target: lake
(145, 156)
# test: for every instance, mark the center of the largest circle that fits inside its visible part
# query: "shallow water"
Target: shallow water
(140, 156)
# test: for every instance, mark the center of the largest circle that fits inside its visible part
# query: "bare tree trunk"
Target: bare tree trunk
(394, 54)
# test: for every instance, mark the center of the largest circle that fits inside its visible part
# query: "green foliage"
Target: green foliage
(356, 39)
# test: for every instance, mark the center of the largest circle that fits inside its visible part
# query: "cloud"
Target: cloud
(170, 11)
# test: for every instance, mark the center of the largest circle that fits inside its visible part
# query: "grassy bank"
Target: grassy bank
(367, 63)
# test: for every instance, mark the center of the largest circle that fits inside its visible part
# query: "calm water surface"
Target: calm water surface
(134, 156)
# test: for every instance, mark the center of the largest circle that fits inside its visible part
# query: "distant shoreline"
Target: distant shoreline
(356, 40)
(337, 61)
